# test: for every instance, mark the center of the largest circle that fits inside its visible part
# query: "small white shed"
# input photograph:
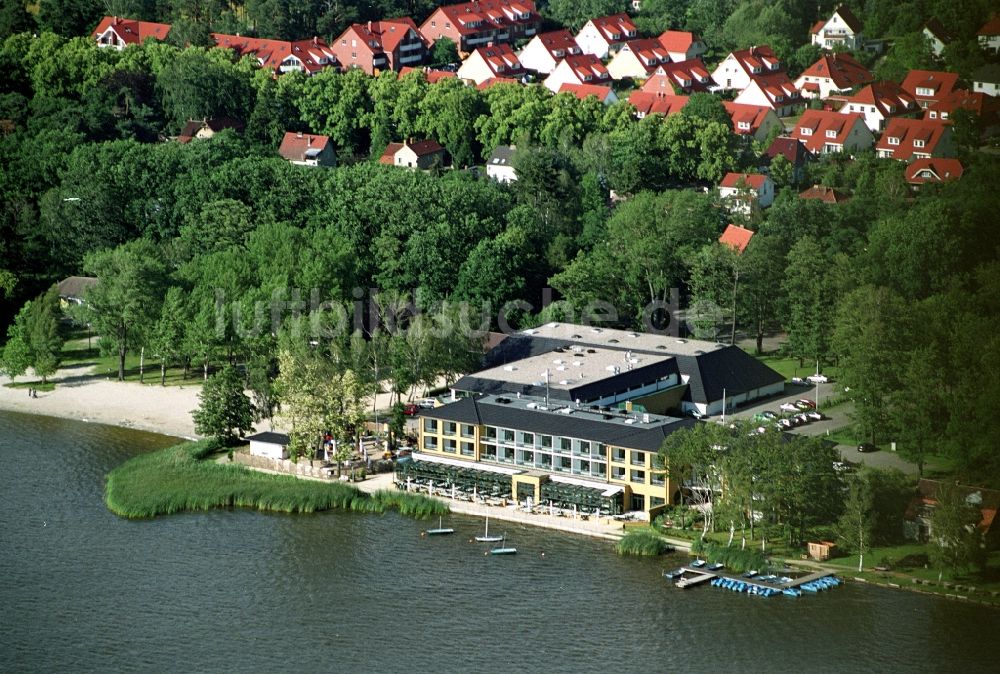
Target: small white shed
(271, 445)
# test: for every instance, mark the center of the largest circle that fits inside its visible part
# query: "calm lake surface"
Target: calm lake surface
(81, 590)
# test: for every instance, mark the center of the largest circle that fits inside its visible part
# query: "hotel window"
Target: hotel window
(544, 461)
(638, 458)
(598, 469)
(563, 464)
(526, 439)
(617, 473)
(468, 449)
(430, 425)
(656, 501)
(491, 433)
(601, 451)
(618, 455)
(526, 457)
(489, 453)
(506, 455)
(657, 478)
(468, 430)
(430, 442)
(565, 444)
(546, 441)
(450, 428)
(508, 435)
(637, 476)
(584, 447)
(584, 468)
(450, 446)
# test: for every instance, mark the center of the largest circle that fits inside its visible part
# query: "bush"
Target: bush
(735, 559)
(643, 542)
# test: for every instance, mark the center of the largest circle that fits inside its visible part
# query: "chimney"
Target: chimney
(315, 41)
(298, 135)
(369, 26)
(753, 49)
(309, 142)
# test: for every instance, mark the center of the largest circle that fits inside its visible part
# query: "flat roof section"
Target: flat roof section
(614, 338)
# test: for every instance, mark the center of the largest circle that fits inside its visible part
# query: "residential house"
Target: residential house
(736, 237)
(420, 154)
(983, 502)
(381, 45)
(937, 35)
(740, 67)
(842, 29)
(280, 56)
(72, 289)
(978, 103)
(482, 22)
(604, 94)
(646, 103)
(307, 149)
(825, 131)
(500, 165)
(929, 86)
(203, 129)
(744, 192)
(775, 91)
(545, 50)
(827, 195)
(682, 45)
(910, 139)
(268, 444)
(683, 77)
(791, 149)
(116, 32)
(577, 69)
(638, 59)
(989, 35)
(924, 171)
(986, 80)
(752, 121)
(832, 73)
(606, 34)
(485, 63)
(880, 101)
(432, 75)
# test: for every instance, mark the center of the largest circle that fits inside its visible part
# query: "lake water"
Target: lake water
(83, 590)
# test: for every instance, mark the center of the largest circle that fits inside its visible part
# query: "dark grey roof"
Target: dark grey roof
(74, 287)
(503, 155)
(269, 437)
(648, 437)
(730, 368)
(987, 73)
(519, 346)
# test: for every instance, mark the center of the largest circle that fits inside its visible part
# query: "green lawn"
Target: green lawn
(75, 352)
(38, 385)
(789, 367)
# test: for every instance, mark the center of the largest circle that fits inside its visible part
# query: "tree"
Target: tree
(69, 17)
(909, 52)
(338, 105)
(575, 13)
(810, 303)
(445, 51)
(856, 526)
(953, 530)
(41, 332)
(197, 84)
(127, 295)
(167, 338)
(16, 357)
(225, 410)
(448, 113)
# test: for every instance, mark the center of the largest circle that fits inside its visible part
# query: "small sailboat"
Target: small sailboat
(503, 549)
(486, 538)
(440, 530)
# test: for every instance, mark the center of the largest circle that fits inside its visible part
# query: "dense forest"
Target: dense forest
(900, 289)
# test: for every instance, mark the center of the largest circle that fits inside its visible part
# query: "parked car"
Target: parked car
(410, 409)
(799, 381)
(426, 403)
(801, 406)
(768, 414)
(867, 447)
(697, 415)
(788, 407)
(785, 423)
(808, 403)
(815, 416)
(818, 379)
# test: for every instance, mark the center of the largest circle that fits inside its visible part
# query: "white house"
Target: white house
(737, 69)
(986, 80)
(546, 50)
(775, 91)
(832, 73)
(743, 191)
(579, 69)
(500, 165)
(486, 63)
(826, 131)
(841, 29)
(989, 35)
(116, 32)
(937, 35)
(638, 59)
(682, 45)
(878, 102)
(270, 445)
(606, 34)
(307, 149)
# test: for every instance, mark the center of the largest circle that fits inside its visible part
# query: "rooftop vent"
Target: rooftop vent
(576, 337)
(596, 331)
(591, 350)
(509, 368)
(565, 382)
(503, 401)
(612, 341)
(661, 347)
(557, 361)
(681, 341)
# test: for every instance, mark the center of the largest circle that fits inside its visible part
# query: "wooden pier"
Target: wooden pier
(685, 581)
(699, 576)
(806, 579)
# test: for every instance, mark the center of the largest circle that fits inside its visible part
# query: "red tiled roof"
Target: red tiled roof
(762, 57)
(132, 31)
(430, 74)
(736, 237)
(753, 115)
(827, 195)
(581, 91)
(559, 43)
(906, 132)
(649, 52)
(940, 82)
(791, 149)
(489, 14)
(677, 40)
(889, 97)
(647, 103)
(991, 27)
(493, 81)
(501, 60)
(841, 69)
(389, 156)
(690, 75)
(986, 500)
(777, 88)
(584, 65)
(934, 170)
(615, 28)
(313, 54)
(975, 102)
(818, 26)
(383, 36)
(294, 145)
(813, 126)
(752, 180)
(421, 148)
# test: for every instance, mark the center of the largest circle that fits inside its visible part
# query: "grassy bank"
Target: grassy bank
(182, 478)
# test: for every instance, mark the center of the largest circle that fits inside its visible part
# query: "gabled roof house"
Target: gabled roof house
(825, 131)
(117, 32)
(381, 45)
(682, 77)
(638, 59)
(832, 73)
(307, 149)
(606, 34)
(879, 101)
(842, 29)
(682, 45)
(929, 86)
(485, 63)
(577, 69)
(482, 22)
(545, 50)
(752, 121)
(910, 139)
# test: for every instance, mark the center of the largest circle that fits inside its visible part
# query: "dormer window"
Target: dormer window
(830, 133)
(587, 78)
(744, 125)
(686, 82)
(918, 143)
(805, 131)
(924, 91)
(631, 33)
(500, 68)
(755, 70)
(774, 66)
(559, 53)
(779, 98)
(933, 114)
(893, 140)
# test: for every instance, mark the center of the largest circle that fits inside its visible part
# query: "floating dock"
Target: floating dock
(689, 577)
(684, 581)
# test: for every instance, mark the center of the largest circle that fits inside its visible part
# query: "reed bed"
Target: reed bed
(735, 559)
(182, 478)
(644, 542)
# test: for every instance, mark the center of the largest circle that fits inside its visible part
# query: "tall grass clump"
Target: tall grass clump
(735, 559)
(643, 542)
(183, 478)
